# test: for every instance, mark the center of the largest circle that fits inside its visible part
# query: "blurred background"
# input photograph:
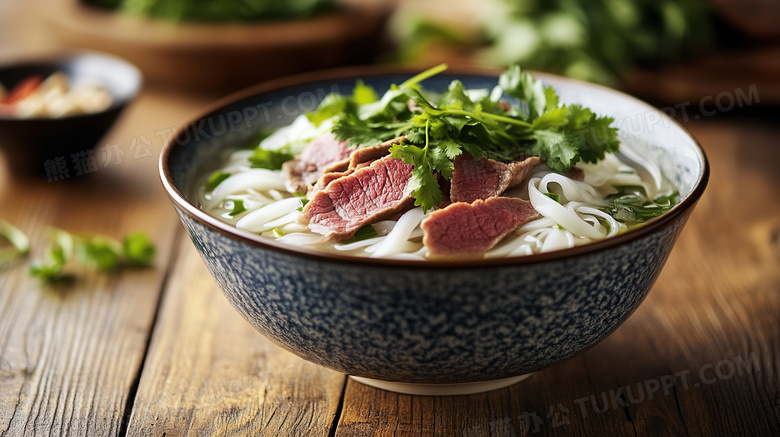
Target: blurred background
(677, 54)
(666, 51)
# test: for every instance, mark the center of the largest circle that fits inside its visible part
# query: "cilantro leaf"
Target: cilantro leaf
(332, 105)
(362, 133)
(363, 94)
(556, 149)
(595, 134)
(552, 118)
(524, 87)
(215, 179)
(100, 252)
(531, 123)
(270, 159)
(364, 233)
(456, 97)
(425, 188)
(238, 207)
(138, 249)
(16, 239)
(69, 250)
(630, 204)
(423, 184)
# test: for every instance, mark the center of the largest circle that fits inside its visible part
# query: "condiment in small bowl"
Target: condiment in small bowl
(56, 110)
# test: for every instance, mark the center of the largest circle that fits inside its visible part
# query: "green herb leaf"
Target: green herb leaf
(238, 207)
(557, 149)
(364, 94)
(138, 249)
(269, 159)
(631, 205)
(304, 201)
(100, 252)
(215, 179)
(16, 239)
(531, 123)
(554, 196)
(363, 233)
(69, 250)
(331, 106)
(524, 87)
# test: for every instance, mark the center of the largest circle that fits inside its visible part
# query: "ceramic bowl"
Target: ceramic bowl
(435, 327)
(33, 145)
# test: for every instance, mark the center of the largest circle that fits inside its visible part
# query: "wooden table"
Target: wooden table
(161, 352)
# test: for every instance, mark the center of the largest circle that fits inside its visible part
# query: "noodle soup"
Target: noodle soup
(593, 199)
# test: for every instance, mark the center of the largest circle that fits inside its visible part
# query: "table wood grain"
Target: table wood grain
(160, 351)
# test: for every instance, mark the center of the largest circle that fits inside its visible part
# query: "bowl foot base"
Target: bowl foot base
(466, 388)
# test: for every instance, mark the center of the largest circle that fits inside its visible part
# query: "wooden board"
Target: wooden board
(210, 373)
(70, 356)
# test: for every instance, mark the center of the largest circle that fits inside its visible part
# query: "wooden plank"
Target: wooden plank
(70, 356)
(208, 372)
(700, 357)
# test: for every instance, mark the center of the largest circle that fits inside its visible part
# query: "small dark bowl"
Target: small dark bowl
(430, 327)
(33, 145)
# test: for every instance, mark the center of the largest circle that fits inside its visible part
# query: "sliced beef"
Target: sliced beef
(483, 178)
(368, 154)
(359, 158)
(366, 195)
(471, 229)
(575, 173)
(308, 166)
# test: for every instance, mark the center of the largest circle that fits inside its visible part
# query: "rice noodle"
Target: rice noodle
(272, 210)
(396, 239)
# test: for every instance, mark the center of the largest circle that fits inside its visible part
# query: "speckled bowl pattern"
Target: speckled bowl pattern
(439, 322)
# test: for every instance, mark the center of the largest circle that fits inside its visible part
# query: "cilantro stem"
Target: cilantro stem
(427, 128)
(509, 120)
(486, 115)
(414, 80)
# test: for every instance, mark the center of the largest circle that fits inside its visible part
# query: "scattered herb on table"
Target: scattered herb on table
(13, 242)
(68, 251)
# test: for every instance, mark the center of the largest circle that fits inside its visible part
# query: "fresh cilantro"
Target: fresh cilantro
(138, 249)
(332, 105)
(101, 252)
(530, 122)
(13, 242)
(215, 179)
(554, 196)
(525, 88)
(238, 207)
(269, 159)
(630, 204)
(69, 250)
(363, 94)
(363, 233)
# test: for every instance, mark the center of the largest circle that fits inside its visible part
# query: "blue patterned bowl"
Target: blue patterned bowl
(440, 326)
